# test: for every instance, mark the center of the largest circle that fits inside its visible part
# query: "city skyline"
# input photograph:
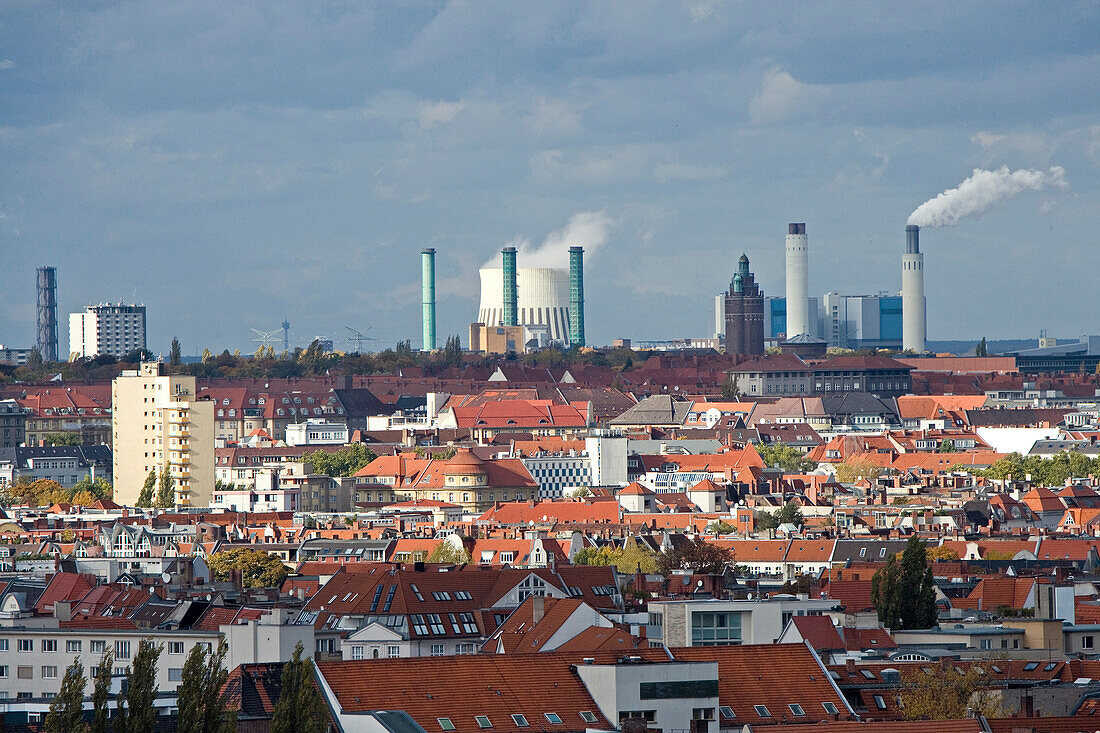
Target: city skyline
(229, 166)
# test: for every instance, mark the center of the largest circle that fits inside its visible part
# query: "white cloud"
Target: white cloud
(782, 97)
(7, 64)
(553, 117)
(986, 139)
(701, 10)
(430, 114)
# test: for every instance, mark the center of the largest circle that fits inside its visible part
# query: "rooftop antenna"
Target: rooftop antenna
(357, 339)
(286, 335)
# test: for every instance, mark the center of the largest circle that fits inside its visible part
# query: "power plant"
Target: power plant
(798, 286)
(427, 263)
(544, 304)
(913, 306)
(47, 313)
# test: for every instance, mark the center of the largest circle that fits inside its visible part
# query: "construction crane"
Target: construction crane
(357, 339)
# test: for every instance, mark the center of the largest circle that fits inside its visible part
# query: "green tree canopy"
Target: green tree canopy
(786, 457)
(61, 439)
(445, 552)
(67, 709)
(202, 707)
(343, 462)
(101, 694)
(299, 708)
(696, 555)
(136, 711)
(904, 593)
(145, 497)
(166, 496)
(258, 568)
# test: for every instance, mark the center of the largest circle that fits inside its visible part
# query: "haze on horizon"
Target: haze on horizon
(232, 164)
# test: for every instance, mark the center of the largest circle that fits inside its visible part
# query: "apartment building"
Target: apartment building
(159, 424)
(107, 329)
(13, 424)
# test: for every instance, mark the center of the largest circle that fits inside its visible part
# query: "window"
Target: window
(393, 651)
(122, 650)
(97, 647)
(357, 652)
(1086, 642)
(436, 650)
(26, 645)
(72, 646)
(552, 718)
(830, 708)
(483, 721)
(519, 720)
(175, 675)
(49, 672)
(762, 711)
(711, 628)
(175, 647)
(880, 703)
(445, 723)
(1027, 667)
(726, 712)
(796, 709)
(588, 716)
(3, 645)
(3, 670)
(24, 673)
(49, 645)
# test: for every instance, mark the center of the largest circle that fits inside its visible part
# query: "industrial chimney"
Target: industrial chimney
(47, 313)
(427, 263)
(511, 297)
(798, 303)
(576, 296)
(913, 306)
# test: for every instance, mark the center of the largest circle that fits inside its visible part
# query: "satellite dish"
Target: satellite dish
(166, 577)
(698, 584)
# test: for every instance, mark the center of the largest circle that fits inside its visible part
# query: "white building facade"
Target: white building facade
(107, 329)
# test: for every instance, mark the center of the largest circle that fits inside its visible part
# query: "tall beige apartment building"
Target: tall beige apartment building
(158, 424)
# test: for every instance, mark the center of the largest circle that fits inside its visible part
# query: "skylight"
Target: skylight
(830, 708)
(552, 717)
(762, 711)
(483, 721)
(519, 720)
(796, 709)
(726, 712)
(445, 723)
(588, 716)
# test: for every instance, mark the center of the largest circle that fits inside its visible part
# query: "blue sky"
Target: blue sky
(229, 164)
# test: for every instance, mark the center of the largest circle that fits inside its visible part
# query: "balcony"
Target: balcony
(180, 419)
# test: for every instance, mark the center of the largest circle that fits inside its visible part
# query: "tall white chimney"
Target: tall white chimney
(720, 316)
(913, 306)
(798, 301)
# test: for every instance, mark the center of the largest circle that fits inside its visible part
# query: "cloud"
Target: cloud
(7, 64)
(986, 139)
(673, 172)
(782, 97)
(550, 116)
(588, 229)
(430, 114)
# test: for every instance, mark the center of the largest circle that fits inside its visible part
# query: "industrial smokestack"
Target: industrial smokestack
(576, 296)
(720, 316)
(47, 313)
(427, 262)
(511, 296)
(913, 306)
(798, 302)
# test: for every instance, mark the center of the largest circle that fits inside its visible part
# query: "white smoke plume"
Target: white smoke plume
(588, 229)
(984, 189)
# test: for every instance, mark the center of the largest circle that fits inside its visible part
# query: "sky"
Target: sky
(232, 164)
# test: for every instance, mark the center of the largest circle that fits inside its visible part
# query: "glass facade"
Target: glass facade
(714, 628)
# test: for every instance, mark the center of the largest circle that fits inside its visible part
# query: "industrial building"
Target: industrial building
(107, 329)
(530, 307)
(744, 312)
(46, 339)
(844, 321)
(913, 305)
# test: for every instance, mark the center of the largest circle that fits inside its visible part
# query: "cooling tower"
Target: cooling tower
(427, 285)
(913, 324)
(543, 299)
(798, 302)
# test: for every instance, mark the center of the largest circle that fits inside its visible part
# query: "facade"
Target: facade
(558, 475)
(13, 424)
(744, 313)
(67, 465)
(716, 623)
(317, 432)
(159, 424)
(786, 375)
(70, 411)
(488, 339)
(107, 329)
(14, 357)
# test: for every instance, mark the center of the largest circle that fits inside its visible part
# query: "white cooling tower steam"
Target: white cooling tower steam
(983, 190)
(798, 301)
(588, 229)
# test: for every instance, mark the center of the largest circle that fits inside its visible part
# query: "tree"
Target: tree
(941, 552)
(696, 555)
(99, 488)
(61, 439)
(790, 514)
(343, 462)
(206, 356)
(34, 359)
(67, 709)
(175, 353)
(136, 356)
(202, 707)
(145, 497)
(948, 692)
(730, 390)
(136, 713)
(445, 552)
(299, 708)
(946, 446)
(101, 694)
(166, 497)
(258, 569)
(904, 593)
(786, 457)
(855, 469)
(981, 349)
